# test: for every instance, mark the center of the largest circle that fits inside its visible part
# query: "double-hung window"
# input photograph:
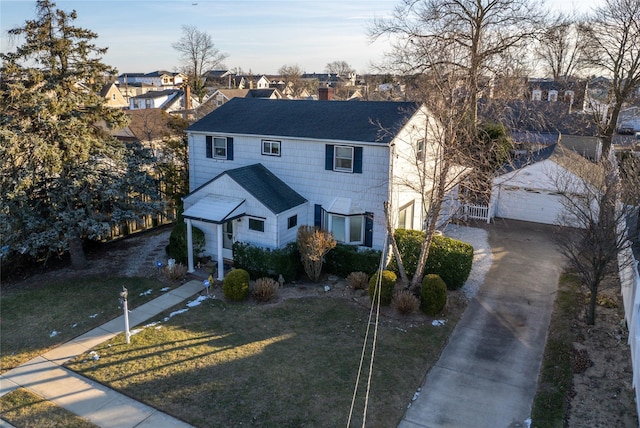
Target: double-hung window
(343, 158)
(271, 148)
(219, 147)
(256, 224)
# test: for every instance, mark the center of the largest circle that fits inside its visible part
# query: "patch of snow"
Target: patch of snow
(196, 302)
(136, 331)
(165, 289)
(416, 394)
(93, 355)
(482, 258)
(437, 323)
(146, 293)
(152, 324)
(93, 316)
(74, 325)
(174, 313)
(528, 422)
(53, 333)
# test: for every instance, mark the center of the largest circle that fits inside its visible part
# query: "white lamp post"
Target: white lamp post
(123, 299)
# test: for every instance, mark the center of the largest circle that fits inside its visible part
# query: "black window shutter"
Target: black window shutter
(357, 160)
(368, 229)
(229, 148)
(317, 215)
(328, 157)
(209, 147)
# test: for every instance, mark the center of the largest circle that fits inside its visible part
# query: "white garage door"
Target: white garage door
(534, 205)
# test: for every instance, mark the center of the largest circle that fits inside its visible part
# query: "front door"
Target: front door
(227, 240)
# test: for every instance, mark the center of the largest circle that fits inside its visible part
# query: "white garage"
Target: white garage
(531, 191)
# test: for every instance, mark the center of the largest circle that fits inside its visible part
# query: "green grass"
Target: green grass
(556, 375)
(24, 409)
(278, 365)
(30, 314)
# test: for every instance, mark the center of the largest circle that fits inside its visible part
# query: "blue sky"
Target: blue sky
(258, 35)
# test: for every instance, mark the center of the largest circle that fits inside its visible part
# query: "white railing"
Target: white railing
(475, 212)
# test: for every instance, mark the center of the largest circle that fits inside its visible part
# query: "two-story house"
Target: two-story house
(260, 168)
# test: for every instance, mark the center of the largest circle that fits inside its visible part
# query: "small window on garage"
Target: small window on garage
(256, 224)
(292, 221)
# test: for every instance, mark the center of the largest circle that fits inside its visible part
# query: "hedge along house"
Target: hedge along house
(260, 168)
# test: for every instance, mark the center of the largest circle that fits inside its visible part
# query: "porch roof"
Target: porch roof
(216, 209)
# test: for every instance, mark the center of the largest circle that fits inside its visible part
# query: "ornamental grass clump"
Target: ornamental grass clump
(358, 280)
(174, 272)
(314, 244)
(433, 295)
(264, 289)
(386, 287)
(405, 302)
(235, 285)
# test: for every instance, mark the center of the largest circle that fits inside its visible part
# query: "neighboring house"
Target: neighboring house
(221, 96)
(531, 189)
(260, 168)
(169, 100)
(159, 79)
(113, 96)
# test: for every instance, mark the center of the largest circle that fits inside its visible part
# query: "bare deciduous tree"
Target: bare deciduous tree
(341, 68)
(466, 36)
(561, 47)
(594, 220)
(198, 55)
(612, 46)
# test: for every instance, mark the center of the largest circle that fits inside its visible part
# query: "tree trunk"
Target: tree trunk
(78, 259)
(394, 246)
(593, 300)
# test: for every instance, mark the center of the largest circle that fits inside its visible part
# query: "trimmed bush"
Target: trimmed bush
(433, 295)
(387, 285)
(344, 259)
(358, 280)
(263, 262)
(448, 257)
(405, 302)
(236, 285)
(177, 248)
(264, 289)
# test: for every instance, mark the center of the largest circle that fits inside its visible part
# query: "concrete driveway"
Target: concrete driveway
(487, 373)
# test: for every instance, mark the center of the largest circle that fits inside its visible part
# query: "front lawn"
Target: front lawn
(38, 317)
(293, 363)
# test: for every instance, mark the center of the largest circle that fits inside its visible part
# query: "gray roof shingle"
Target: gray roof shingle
(262, 184)
(361, 121)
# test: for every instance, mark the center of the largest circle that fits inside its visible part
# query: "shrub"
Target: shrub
(235, 285)
(387, 285)
(174, 273)
(405, 302)
(433, 295)
(313, 245)
(451, 259)
(344, 259)
(177, 248)
(358, 280)
(448, 257)
(263, 262)
(264, 289)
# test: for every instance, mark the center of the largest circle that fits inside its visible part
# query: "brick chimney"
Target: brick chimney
(325, 94)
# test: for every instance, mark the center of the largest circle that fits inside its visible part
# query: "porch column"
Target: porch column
(220, 257)
(190, 268)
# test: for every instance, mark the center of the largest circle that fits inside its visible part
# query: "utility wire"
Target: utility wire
(375, 303)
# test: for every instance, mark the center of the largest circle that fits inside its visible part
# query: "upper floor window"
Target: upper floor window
(271, 148)
(343, 158)
(420, 149)
(219, 147)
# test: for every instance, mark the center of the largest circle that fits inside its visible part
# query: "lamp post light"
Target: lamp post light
(123, 300)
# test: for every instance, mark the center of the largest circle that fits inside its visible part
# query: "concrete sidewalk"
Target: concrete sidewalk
(488, 372)
(45, 376)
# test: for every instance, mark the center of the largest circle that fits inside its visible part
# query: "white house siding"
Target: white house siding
(302, 167)
(405, 167)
